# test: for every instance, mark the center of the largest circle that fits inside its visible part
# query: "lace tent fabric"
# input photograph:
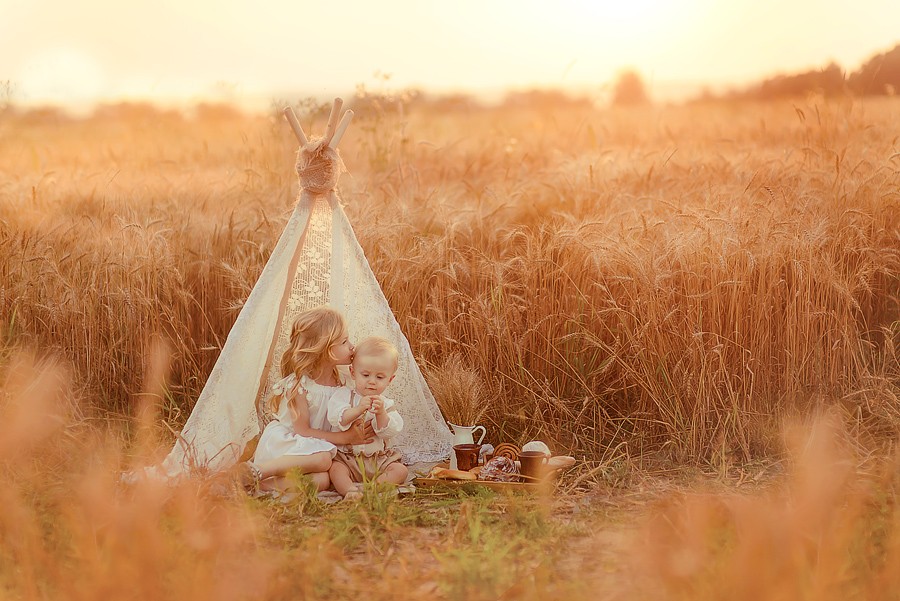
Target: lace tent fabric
(317, 261)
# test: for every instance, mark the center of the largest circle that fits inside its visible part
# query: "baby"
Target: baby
(373, 368)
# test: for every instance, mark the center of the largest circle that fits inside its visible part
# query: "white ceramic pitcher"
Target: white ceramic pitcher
(464, 435)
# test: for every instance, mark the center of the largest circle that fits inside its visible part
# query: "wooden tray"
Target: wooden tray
(520, 486)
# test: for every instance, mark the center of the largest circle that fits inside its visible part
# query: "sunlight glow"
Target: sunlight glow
(631, 15)
(62, 51)
(62, 73)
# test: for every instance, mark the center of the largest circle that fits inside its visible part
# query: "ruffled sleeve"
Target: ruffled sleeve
(284, 384)
(395, 422)
(337, 405)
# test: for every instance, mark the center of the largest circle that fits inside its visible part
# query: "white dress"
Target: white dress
(279, 439)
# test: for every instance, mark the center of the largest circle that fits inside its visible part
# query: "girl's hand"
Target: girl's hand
(377, 405)
(361, 432)
(366, 402)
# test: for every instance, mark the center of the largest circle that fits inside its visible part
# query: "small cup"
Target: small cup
(532, 464)
(466, 456)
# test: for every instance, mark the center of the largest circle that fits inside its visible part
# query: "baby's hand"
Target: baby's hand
(366, 402)
(377, 405)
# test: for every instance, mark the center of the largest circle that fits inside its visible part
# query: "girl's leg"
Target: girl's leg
(395, 473)
(280, 483)
(307, 464)
(340, 477)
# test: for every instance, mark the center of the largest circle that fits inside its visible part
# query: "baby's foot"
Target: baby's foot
(392, 491)
(353, 495)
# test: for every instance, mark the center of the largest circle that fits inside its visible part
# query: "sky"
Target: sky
(70, 53)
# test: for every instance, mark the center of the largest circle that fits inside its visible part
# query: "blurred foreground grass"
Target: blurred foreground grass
(823, 524)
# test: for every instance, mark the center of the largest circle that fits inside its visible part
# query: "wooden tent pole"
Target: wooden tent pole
(333, 131)
(333, 120)
(345, 122)
(295, 125)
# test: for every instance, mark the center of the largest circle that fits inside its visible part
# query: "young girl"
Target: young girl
(299, 438)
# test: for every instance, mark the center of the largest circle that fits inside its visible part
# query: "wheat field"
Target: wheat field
(657, 291)
(669, 281)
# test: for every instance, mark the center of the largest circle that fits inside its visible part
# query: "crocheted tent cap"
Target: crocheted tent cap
(319, 167)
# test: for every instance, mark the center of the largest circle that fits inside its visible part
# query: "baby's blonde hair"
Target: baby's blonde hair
(313, 334)
(377, 347)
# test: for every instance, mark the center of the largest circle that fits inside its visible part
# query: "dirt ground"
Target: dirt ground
(469, 543)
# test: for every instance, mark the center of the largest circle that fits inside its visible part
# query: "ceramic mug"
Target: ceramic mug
(466, 456)
(532, 463)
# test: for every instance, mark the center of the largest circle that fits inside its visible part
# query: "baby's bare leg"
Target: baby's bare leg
(340, 477)
(322, 480)
(395, 473)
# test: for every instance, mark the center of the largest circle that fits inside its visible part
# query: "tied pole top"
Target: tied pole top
(334, 131)
(318, 163)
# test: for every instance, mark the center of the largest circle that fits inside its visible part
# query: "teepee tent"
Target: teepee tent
(317, 261)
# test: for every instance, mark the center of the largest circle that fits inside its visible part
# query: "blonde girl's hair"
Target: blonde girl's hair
(313, 334)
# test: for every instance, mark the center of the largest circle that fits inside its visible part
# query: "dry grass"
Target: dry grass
(665, 282)
(459, 391)
(832, 533)
(70, 530)
(636, 287)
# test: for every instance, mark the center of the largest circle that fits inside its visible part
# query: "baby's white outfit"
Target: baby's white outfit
(279, 438)
(365, 460)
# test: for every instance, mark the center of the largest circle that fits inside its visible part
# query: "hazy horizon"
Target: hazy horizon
(171, 52)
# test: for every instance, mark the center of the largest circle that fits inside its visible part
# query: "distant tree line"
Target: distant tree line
(879, 76)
